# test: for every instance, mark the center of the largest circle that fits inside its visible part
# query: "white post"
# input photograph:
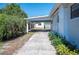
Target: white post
(26, 25)
(27, 28)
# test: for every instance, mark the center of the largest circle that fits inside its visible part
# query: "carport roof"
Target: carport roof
(39, 19)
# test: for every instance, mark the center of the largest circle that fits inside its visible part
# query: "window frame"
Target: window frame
(74, 11)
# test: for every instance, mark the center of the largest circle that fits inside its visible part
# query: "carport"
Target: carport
(34, 20)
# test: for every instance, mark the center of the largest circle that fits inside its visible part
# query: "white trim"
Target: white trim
(54, 9)
(36, 17)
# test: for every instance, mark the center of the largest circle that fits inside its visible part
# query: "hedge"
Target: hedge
(62, 46)
(11, 26)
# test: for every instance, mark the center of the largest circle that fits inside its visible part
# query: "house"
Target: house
(65, 21)
(39, 25)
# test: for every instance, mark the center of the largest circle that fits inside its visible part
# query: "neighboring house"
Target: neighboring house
(39, 25)
(47, 25)
(42, 25)
(65, 21)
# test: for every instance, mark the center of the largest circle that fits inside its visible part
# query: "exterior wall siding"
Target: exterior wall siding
(66, 22)
(67, 27)
(71, 27)
(55, 24)
(74, 30)
(61, 21)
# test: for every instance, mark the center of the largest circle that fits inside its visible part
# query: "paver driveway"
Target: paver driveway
(38, 44)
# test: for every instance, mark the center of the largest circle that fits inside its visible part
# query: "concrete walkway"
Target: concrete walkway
(38, 44)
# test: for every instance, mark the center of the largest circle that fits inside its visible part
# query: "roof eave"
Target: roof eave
(54, 9)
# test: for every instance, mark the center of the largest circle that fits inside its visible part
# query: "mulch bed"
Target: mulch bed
(11, 46)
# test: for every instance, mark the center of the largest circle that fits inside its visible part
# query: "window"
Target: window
(75, 10)
(57, 18)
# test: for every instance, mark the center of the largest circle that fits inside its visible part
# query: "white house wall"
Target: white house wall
(74, 30)
(71, 26)
(66, 22)
(64, 17)
(67, 27)
(55, 24)
(61, 21)
(58, 26)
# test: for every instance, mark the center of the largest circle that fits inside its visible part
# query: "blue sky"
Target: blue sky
(35, 9)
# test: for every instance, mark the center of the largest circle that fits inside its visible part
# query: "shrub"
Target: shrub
(62, 46)
(54, 38)
(63, 50)
(51, 36)
(57, 41)
(11, 26)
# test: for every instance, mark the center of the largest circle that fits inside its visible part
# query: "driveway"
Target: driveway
(38, 44)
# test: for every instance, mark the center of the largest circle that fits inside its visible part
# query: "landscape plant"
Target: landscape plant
(11, 26)
(62, 46)
(12, 22)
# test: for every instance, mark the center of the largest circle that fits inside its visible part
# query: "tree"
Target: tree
(14, 10)
(0, 11)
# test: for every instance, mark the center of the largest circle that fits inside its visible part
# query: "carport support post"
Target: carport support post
(27, 27)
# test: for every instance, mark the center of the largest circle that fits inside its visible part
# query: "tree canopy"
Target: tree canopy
(14, 10)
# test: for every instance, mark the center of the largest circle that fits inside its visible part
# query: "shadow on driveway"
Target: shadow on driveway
(40, 30)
